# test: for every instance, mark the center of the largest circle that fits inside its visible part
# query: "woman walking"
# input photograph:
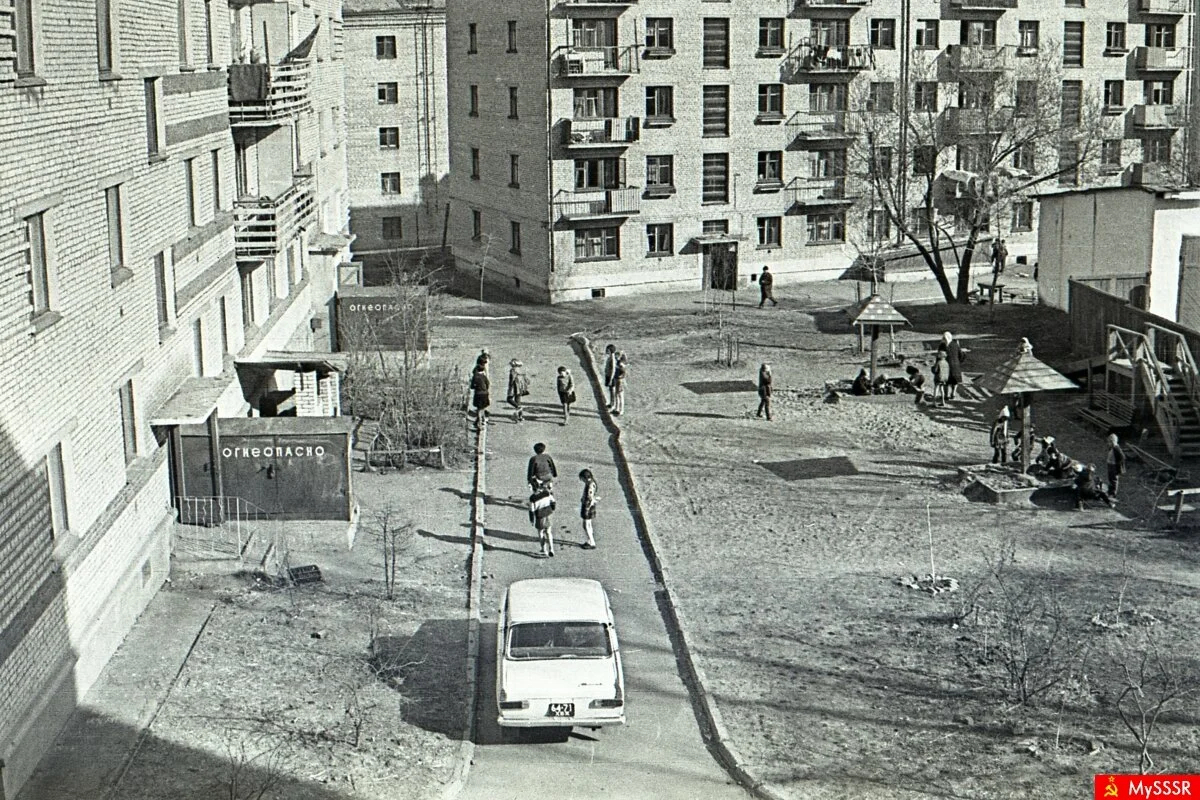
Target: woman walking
(565, 384)
(587, 507)
(620, 375)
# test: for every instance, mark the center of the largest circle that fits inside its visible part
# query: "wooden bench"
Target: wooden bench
(985, 289)
(1179, 495)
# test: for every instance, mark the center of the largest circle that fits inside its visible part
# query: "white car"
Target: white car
(557, 659)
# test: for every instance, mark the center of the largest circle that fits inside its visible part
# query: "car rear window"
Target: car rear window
(533, 640)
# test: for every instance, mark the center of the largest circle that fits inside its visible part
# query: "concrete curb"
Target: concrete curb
(717, 734)
(466, 752)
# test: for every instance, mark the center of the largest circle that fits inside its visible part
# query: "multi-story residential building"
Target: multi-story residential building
(155, 223)
(654, 149)
(398, 153)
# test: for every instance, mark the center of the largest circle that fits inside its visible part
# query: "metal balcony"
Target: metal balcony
(827, 128)
(265, 226)
(612, 6)
(1174, 7)
(806, 60)
(587, 205)
(1159, 117)
(1160, 59)
(974, 121)
(282, 93)
(607, 132)
(984, 5)
(979, 58)
(813, 192)
(586, 62)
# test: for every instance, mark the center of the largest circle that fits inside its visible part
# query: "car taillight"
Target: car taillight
(614, 703)
(513, 705)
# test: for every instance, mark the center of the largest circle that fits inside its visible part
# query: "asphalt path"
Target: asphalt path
(659, 753)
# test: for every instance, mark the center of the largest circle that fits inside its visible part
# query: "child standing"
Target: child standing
(518, 387)
(587, 507)
(565, 384)
(541, 506)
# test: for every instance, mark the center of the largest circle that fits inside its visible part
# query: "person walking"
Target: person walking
(541, 507)
(765, 380)
(1116, 464)
(999, 437)
(610, 368)
(518, 387)
(620, 376)
(999, 256)
(954, 358)
(941, 375)
(541, 470)
(481, 393)
(766, 286)
(587, 507)
(565, 383)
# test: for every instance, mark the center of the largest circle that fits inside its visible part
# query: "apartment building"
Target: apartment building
(659, 148)
(398, 152)
(156, 222)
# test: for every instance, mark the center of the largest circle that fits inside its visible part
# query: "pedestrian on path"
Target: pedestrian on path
(541, 506)
(610, 369)
(1116, 464)
(481, 393)
(541, 470)
(587, 507)
(765, 380)
(999, 438)
(565, 383)
(620, 376)
(766, 288)
(518, 387)
(954, 358)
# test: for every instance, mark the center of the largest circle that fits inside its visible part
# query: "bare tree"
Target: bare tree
(253, 769)
(394, 533)
(1152, 683)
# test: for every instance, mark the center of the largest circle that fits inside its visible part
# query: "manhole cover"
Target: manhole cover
(720, 387)
(808, 468)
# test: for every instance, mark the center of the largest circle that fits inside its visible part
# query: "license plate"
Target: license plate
(561, 710)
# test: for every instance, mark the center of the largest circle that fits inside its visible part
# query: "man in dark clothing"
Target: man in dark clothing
(541, 506)
(765, 385)
(1086, 487)
(541, 470)
(954, 357)
(1116, 463)
(766, 284)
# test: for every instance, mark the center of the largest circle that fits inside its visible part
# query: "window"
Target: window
(883, 34)
(972, 155)
(128, 423)
(56, 480)
(830, 32)
(389, 182)
(512, 102)
(925, 34)
(770, 231)
(210, 56)
(215, 166)
(1022, 215)
(770, 101)
(880, 96)
(476, 224)
(660, 34)
(473, 100)
(1110, 155)
(595, 103)
(770, 168)
(714, 227)
(1156, 150)
(770, 35)
(660, 239)
(105, 36)
(198, 348)
(1072, 103)
(189, 191)
(181, 8)
(879, 225)
(715, 111)
(154, 123)
(825, 97)
(514, 237)
(827, 164)
(716, 43)
(924, 160)
(41, 270)
(660, 174)
(389, 138)
(1072, 44)
(1114, 94)
(116, 245)
(919, 221)
(475, 163)
(975, 94)
(925, 96)
(512, 36)
(472, 38)
(385, 47)
(393, 228)
(1114, 36)
(224, 323)
(597, 243)
(829, 227)
(1028, 35)
(978, 33)
(881, 163)
(599, 173)
(514, 171)
(164, 292)
(1023, 157)
(1158, 93)
(594, 33)
(389, 93)
(1026, 100)
(714, 181)
(26, 38)
(1074, 3)
(1068, 163)
(1160, 35)
(660, 104)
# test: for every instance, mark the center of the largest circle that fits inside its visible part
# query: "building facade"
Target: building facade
(157, 221)
(398, 153)
(614, 146)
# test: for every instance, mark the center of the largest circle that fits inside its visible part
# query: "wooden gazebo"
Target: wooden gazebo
(876, 313)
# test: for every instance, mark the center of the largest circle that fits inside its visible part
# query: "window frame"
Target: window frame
(1021, 220)
(512, 36)
(26, 41)
(472, 38)
(1029, 36)
(114, 222)
(663, 162)
(660, 239)
(514, 237)
(715, 43)
(107, 45)
(388, 180)
(475, 160)
(658, 29)
(385, 47)
(770, 232)
(514, 170)
(1072, 56)
(769, 169)
(166, 311)
(876, 95)
(656, 94)
(389, 137)
(156, 135)
(770, 36)
(127, 403)
(1114, 95)
(770, 102)
(387, 93)
(925, 96)
(1116, 41)
(826, 227)
(921, 34)
(513, 103)
(473, 100)
(714, 186)
(714, 111)
(55, 469)
(881, 33)
(391, 228)
(608, 239)
(190, 200)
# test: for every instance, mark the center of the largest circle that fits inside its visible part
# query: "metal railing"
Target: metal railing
(1124, 344)
(1165, 6)
(287, 94)
(808, 57)
(819, 125)
(1172, 347)
(618, 202)
(1157, 116)
(827, 3)
(574, 61)
(980, 58)
(817, 191)
(1001, 4)
(607, 131)
(217, 527)
(265, 226)
(1167, 59)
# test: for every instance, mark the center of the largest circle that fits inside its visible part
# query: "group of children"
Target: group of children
(518, 388)
(540, 473)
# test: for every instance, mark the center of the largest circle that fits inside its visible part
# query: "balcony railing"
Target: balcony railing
(1160, 59)
(266, 93)
(818, 192)
(984, 4)
(1165, 6)
(619, 202)
(828, 3)
(979, 58)
(835, 125)
(616, 5)
(265, 226)
(1157, 117)
(582, 62)
(608, 132)
(968, 121)
(807, 58)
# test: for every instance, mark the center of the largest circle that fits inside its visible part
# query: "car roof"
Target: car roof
(557, 600)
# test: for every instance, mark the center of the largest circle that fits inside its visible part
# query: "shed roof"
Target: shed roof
(875, 311)
(1025, 373)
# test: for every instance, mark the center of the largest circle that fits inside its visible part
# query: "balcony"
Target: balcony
(591, 7)
(589, 62)
(849, 6)
(264, 227)
(622, 201)
(1159, 117)
(607, 132)
(807, 60)
(974, 121)
(826, 128)
(984, 5)
(1173, 7)
(1160, 59)
(268, 93)
(815, 192)
(979, 58)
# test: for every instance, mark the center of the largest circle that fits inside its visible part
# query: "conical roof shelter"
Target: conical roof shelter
(875, 311)
(1024, 373)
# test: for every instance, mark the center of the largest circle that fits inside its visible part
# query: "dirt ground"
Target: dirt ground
(835, 679)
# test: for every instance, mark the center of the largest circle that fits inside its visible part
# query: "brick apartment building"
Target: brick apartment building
(682, 139)
(396, 104)
(152, 229)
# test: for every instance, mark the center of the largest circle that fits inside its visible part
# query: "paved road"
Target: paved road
(659, 753)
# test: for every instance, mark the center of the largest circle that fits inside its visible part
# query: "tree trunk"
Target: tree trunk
(964, 270)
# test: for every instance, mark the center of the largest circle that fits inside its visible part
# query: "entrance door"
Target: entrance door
(720, 261)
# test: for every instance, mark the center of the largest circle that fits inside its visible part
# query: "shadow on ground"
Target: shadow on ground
(426, 669)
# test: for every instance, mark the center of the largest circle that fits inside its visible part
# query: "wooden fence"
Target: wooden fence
(1094, 309)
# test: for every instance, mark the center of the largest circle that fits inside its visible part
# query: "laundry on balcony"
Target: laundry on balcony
(249, 82)
(302, 50)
